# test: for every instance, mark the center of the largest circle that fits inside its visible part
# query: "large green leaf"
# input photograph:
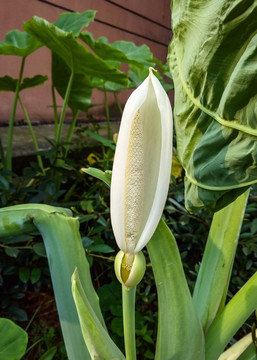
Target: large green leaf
(82, 87)
(210, 290)
(76, 56)
(180, 334)
(99, 343)
(60, 232)
(13, 340)
(19, 43)
(213, 60)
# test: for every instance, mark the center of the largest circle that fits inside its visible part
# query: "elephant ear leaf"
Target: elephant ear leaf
(213, 61)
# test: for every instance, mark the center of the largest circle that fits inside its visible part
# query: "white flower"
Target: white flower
(142, 166)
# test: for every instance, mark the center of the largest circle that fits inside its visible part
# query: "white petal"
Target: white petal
(133, 103)
(142, 166)
(164, 172)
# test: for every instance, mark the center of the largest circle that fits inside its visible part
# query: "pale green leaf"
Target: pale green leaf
(99, 343)
(230, 319)
(180, 334)
(214, 275)
(60, 232)
(242, 349)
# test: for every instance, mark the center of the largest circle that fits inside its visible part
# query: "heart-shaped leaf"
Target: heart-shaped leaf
(213, 60)
(19, 43)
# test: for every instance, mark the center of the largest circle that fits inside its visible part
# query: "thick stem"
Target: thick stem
(65, 105)
(107, 112)
(128, 305)
(118, 103)
(55, 110)
(8, 159)
(70, 132)
(39, 158)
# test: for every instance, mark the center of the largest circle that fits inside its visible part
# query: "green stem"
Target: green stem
(65, 105)
(39, 158)
(118, 103)
(2, 156)
(107, 112)
(8, 160)
(70, 132)
(128, 305)
(55, 110)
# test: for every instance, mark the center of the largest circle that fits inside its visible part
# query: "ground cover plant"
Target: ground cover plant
(213, 297)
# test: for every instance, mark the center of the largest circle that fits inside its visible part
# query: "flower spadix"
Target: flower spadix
(142, 166)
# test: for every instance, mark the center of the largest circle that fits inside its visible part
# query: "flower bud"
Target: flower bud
(142, 166)
(129, 268)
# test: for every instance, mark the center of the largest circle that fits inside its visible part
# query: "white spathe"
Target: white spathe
(142, 165)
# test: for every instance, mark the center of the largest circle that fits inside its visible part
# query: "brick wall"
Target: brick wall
(143, 22)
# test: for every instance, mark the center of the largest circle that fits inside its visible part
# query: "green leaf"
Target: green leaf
(13, 340)
(76, 56)
(60, 232)
(212, 59)
(180, 334)
(8, 83)
(231, 318)
(4, 183)
(35, 275)
(248, 354)
(19, 43)
(36, 80)
(74, 22)
(122, 51)
(212, 281)
(99, 174)
(24, 274)
(39, 249)
(82, 87)
(98, 341)
(49, 354)
(106, 142)
(11, 251)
